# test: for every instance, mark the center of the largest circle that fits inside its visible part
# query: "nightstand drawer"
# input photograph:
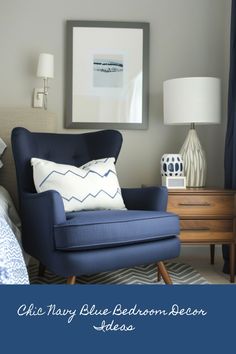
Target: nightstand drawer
(199, 237)
(201, 205)
(206, 225)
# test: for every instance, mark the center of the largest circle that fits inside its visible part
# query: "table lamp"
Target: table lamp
(192, 100)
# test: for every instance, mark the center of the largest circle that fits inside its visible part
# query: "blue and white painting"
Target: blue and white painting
(108, 70)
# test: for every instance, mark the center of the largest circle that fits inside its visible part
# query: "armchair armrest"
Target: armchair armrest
(50, 201)
(39, 213)
(150, 198)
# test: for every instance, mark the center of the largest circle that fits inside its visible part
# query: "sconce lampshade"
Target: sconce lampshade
(45, 66)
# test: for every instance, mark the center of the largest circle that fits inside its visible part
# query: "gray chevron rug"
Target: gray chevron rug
(180, 274)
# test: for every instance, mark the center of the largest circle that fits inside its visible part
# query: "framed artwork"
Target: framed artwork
(107, 75)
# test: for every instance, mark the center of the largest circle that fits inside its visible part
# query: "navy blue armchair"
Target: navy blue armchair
(86, 242)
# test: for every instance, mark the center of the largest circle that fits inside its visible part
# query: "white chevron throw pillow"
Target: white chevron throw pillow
(92, 186)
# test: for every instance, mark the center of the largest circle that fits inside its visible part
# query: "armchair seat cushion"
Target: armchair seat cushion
(110, 228)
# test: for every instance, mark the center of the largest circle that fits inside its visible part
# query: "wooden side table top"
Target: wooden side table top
(202, 191)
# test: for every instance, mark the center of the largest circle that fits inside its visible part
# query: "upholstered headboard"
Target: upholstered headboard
(36, 120)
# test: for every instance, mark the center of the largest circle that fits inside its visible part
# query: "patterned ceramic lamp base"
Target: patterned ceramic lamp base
(194, 160)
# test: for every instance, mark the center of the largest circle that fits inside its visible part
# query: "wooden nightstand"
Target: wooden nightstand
(206, 216)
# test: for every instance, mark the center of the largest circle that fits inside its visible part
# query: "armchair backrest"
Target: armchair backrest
(71, 149)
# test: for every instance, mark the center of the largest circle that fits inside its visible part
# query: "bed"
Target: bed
(12, 259)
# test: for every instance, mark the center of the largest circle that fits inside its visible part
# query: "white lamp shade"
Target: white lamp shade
(192, 100)
(45, 66)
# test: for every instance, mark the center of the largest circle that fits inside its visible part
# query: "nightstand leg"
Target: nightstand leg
(232, 262)
(212, 250)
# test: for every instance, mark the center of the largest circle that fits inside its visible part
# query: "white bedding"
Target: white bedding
(12, 263)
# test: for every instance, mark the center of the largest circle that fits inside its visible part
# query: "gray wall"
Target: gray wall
(188, 38)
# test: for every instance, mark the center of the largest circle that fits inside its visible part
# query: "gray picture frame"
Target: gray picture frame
(69, 122)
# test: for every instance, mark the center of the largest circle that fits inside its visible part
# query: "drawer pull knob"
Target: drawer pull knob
(195, 204)
(195, 229)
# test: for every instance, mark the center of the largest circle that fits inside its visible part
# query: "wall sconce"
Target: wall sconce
(46, 71)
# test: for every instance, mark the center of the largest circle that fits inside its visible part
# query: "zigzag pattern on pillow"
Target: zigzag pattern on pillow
(93, 196)
(89, 187)
(76, 174)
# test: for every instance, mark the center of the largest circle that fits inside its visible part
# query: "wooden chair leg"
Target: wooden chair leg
(212, 252)
(41, 270)
(164, 273)
(71, 280)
